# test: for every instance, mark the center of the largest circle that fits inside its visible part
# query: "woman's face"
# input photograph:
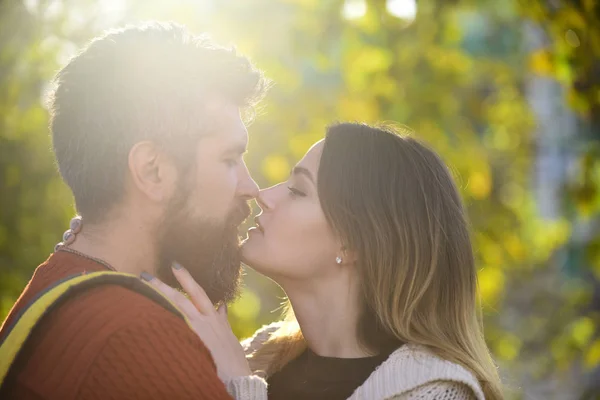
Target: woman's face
(292, 239)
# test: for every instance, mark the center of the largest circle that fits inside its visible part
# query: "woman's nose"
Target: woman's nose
(266, 198)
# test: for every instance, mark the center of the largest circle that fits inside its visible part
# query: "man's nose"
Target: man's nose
(267, 198)
(247, 188)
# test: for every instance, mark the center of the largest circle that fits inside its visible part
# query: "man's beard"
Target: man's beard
(208, 249)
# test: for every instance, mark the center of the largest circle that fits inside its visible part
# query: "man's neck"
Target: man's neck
(328, 314)
(124, 246)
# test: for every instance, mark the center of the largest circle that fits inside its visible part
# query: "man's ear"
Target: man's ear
(152, 173)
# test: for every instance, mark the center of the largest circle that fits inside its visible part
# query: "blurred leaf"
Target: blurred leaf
(540, 62)
(276, 168)
(246, 307)
(582, 331)
(592, 355)
(508, 347)
(479, 184)
(491, 284)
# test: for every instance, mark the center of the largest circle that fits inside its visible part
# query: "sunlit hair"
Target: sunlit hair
(148, 82)
(394, 204)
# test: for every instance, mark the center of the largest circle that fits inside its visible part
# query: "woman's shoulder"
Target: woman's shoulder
(414, 367)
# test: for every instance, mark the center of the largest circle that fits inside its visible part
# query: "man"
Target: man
(148, 135)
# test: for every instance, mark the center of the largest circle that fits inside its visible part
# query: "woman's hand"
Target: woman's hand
(209, 324)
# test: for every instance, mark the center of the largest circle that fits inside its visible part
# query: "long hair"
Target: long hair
(394, 204)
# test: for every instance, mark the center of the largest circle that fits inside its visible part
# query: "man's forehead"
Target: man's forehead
(226, 122)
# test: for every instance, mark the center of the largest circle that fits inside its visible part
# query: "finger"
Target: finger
(182, 302)
(167, 290)
(197, 295)
(222, 312)
(224, 316)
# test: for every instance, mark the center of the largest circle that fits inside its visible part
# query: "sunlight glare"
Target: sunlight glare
(354, 9)
(32, 5)
(404, 9)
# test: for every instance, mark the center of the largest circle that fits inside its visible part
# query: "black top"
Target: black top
(311, 376)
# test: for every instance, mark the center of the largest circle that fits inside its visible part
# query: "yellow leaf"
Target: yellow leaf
(367, 60)
(572, 38)
(491, 283)
(571, 16)
(479, 184)
(550, 235)
(358, 108)
(540, 63)
(370, 22)
(592, 355)
(561, 352)
(300, 144)
(514, 247)
(589, 5)
(246, 307)
(508, 347)
(276, 168)
(582, 330)
(491, 252)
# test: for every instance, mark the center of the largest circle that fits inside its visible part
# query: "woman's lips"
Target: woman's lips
(258, 227)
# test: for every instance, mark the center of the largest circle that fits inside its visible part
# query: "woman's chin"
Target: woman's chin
(253, 255)
(252, 259)
(248, 253)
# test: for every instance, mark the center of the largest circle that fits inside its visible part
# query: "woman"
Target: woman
(369, 240)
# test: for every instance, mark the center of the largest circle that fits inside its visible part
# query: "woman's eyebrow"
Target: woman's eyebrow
(297, 170)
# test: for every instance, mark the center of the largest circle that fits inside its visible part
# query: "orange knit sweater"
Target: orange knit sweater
(107, 343)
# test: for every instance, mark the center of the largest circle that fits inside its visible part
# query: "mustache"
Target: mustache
(239, 214)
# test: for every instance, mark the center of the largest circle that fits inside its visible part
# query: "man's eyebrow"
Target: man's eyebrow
(303, 171)
(237, 148)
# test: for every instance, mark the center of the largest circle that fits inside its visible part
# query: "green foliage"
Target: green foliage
(34, 204)
(573, 54)
(455, 75)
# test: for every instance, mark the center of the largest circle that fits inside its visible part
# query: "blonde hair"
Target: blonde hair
(394, 203)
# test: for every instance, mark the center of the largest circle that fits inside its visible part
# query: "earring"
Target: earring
(338, 260)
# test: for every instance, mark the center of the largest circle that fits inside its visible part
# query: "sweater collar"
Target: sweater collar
(409, 367)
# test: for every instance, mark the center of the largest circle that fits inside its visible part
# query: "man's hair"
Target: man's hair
(148, 82)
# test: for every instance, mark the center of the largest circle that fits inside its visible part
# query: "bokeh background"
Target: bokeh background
(507, 91)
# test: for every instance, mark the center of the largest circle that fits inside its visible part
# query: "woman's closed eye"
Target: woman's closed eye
(295, 192)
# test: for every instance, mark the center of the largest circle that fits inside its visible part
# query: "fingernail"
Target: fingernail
(177, 266)
(146, 276)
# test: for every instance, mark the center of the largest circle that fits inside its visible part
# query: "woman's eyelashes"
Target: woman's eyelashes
(294, 192)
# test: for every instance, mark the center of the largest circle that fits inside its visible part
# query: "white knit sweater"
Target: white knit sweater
(410, 373)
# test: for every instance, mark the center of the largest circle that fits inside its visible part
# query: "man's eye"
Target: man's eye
(231, 162)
